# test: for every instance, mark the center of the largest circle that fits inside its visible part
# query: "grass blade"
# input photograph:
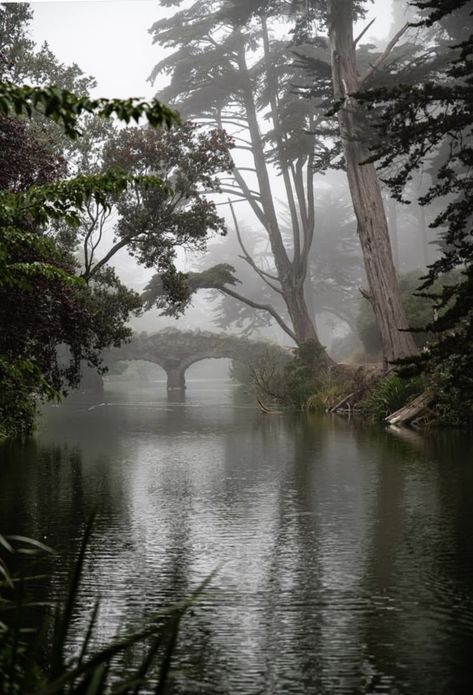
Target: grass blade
(62, 625)
(166, 664)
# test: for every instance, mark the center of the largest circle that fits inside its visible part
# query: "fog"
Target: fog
(110, 40)
(236, 320)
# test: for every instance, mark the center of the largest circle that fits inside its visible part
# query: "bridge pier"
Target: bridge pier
(176, 378)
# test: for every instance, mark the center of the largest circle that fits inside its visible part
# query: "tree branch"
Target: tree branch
(261, 307)
(280, 143)
(90, 230)
(231, 122)
(238, 200)
(246, 146)
(245, 190)
(360, 36)
(384, 55)
(266, 277)
(104, 215)
(309, 236)
(103, 261)
(248, 194)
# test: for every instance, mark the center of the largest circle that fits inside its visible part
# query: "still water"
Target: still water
(344, 552)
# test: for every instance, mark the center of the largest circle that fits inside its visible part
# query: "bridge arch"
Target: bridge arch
(175, 351)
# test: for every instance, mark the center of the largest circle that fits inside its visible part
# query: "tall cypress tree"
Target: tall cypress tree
(235, 75)
(432, 123)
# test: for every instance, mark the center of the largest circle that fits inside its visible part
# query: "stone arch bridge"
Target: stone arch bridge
(175, 351)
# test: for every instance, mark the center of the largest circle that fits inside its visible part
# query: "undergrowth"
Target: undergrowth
(34, 637)
(329, 390)
(388, 394)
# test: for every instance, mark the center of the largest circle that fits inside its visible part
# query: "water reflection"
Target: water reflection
(345, 552)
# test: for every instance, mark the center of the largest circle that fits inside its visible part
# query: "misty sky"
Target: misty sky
(109, 38)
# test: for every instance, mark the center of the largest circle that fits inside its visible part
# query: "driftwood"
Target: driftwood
(344, 400)
(410, 412)
(265, 410)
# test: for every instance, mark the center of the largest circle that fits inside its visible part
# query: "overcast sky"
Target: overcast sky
(109, 38)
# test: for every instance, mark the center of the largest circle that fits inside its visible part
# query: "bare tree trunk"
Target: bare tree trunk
(291, 273)
(365, 191)
(304, 325)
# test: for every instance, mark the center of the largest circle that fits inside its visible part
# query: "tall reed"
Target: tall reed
(34, 657)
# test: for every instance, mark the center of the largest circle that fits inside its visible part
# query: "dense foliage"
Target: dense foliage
(388, 394)
(430, 125)
(45, 303)
(154, 222)
(66, 108)
(52, 317)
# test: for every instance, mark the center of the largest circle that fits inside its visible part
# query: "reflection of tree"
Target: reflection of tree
(417, 547)
(292, 626)
(345, 551)
(379, 629)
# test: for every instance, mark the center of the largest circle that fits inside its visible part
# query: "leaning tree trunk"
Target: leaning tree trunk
(365, 190)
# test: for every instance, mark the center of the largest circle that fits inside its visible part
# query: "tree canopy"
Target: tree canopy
(55, 315)
(432, 123)
(235, 77)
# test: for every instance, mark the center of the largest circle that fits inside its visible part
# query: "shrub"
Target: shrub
(330, 389)
(452, 382)
(389, 394)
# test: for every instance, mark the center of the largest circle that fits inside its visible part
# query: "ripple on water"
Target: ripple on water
(344, 556)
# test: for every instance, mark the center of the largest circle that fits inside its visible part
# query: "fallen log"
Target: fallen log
(265, 410)
(410, 412)
(344, 400)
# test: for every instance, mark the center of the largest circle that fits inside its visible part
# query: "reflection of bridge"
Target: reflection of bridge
(175, 351)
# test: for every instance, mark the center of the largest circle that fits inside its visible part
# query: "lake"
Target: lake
(344, 552)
